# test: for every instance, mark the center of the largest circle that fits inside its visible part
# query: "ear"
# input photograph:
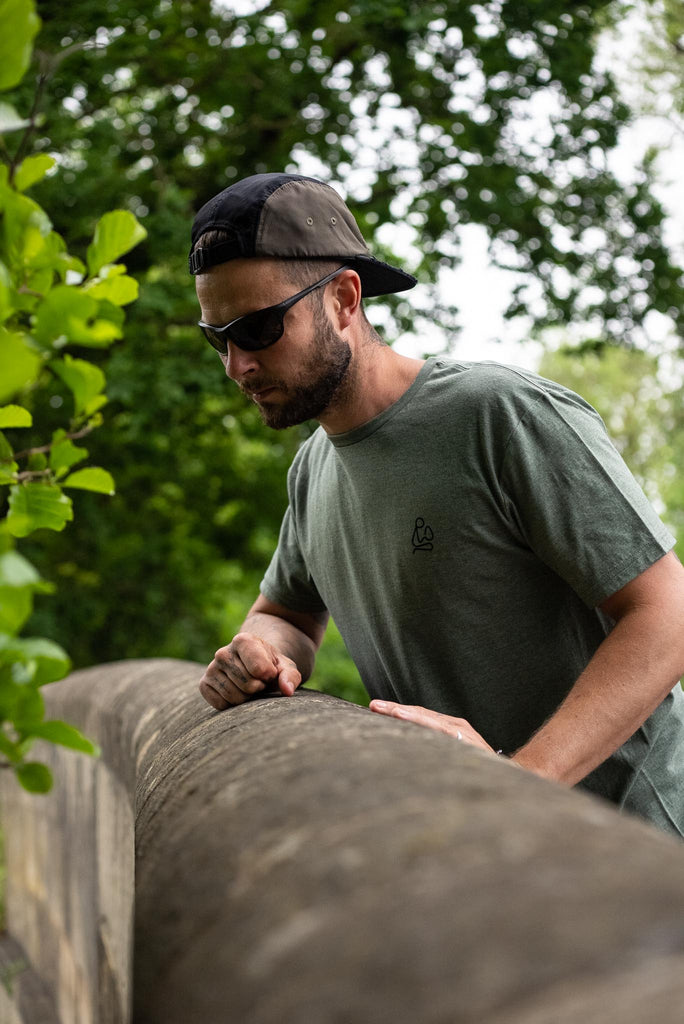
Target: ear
(346, 298)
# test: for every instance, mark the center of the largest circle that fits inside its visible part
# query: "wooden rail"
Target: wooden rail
(302, 861)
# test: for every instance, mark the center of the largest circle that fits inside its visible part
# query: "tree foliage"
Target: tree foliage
(418, 109)
(639, 397)
(49, 301)
(429, 115)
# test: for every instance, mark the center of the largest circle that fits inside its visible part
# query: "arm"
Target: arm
(275, 647)
(632, 671)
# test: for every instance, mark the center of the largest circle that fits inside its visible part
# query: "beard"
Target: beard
(322, 380)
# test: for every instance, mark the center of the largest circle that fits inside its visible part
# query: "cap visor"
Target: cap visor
(378, 278)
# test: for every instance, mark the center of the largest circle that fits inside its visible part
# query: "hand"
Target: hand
(456, 727)
(244, 668)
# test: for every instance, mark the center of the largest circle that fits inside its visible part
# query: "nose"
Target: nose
(238, 363)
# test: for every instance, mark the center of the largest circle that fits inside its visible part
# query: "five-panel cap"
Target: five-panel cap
(288, 216)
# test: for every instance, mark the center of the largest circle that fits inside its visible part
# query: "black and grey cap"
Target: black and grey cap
(289, 216)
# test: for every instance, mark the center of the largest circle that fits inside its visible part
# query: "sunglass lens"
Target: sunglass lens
(257, 330)
(216, 339)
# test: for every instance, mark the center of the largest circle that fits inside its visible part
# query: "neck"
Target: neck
(377, 378)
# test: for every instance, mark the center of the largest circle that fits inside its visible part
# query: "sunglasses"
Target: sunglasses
(260, 329)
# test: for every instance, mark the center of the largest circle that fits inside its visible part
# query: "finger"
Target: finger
(420, 716)
(383, 707)
(212, 695)
(255, 657)
(221, 691)
(289, 677)
(229, 667)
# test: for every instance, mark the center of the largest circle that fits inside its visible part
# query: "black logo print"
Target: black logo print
(422, 536)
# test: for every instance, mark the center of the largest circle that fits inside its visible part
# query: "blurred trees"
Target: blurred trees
(428, 115)
(639, 397)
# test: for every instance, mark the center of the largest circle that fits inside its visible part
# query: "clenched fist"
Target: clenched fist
(245, 667)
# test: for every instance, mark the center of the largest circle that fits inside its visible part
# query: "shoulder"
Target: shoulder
(493, 390)
(488, 378)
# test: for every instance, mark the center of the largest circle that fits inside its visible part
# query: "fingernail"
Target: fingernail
(382, 704)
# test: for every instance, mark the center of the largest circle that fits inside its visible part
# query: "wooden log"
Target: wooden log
(302, 860)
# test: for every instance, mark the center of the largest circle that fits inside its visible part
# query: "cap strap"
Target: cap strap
(209, 256)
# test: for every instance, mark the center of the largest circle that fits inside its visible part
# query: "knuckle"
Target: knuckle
(242, 639)
(223, 655)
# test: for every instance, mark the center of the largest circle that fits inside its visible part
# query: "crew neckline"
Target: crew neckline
(364, 430)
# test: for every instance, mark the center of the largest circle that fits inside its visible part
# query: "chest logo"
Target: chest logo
(422, 536)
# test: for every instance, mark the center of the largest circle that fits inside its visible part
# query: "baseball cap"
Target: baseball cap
(289, 216)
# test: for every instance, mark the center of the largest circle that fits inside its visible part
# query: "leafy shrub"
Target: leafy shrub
(49, 301)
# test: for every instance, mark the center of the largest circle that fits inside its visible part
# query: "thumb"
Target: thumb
(289, 677)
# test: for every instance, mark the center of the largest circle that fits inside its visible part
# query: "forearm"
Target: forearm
(285, 637)
(632, 671)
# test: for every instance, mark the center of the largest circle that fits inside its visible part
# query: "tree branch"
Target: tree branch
(43, 449)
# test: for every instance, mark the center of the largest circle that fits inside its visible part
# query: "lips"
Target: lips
(259, 395)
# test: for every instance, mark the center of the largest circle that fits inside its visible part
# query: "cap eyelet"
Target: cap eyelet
(309, 221)
(333, 220)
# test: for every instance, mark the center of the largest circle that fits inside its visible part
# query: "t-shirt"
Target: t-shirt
(462, 540)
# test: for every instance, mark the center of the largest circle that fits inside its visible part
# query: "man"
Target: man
(493, 567)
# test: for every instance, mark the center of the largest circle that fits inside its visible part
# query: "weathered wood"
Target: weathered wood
(300, 859)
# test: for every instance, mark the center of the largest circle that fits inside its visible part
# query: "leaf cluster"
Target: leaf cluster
(49, 301)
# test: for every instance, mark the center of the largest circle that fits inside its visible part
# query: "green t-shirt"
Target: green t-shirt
(462, 540)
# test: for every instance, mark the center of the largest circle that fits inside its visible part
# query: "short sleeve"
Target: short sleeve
(287, 580)
(575, 501)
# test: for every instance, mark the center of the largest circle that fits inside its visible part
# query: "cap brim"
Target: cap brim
(378, 278)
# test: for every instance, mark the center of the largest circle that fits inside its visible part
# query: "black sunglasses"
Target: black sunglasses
(260, 329)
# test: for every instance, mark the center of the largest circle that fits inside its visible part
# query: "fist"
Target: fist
(244, 668)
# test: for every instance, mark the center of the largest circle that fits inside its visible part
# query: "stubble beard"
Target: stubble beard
(322, 381)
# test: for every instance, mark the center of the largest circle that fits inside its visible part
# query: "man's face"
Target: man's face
(305, 371)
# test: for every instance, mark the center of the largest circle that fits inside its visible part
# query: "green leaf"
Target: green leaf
(37, 462)
(18, 582)
(16, 606)
(43, 251)
(116, 232)
(64, 316)
(15, 416)
(64, 453)
(117, 290)
(19, 364)
(8, 467)
(29, 710)
(10, 119)
(10, 750)
(7, 293)
(102, 333)
(20, 23)
(17, 571)
(92, 479)
(28, 232)
(46, 660)
(52, 662)
(66, 735)
(67, 262)
(35, 777)
(6, 452)
(31, 170)
(85, 381)
(37, 506)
